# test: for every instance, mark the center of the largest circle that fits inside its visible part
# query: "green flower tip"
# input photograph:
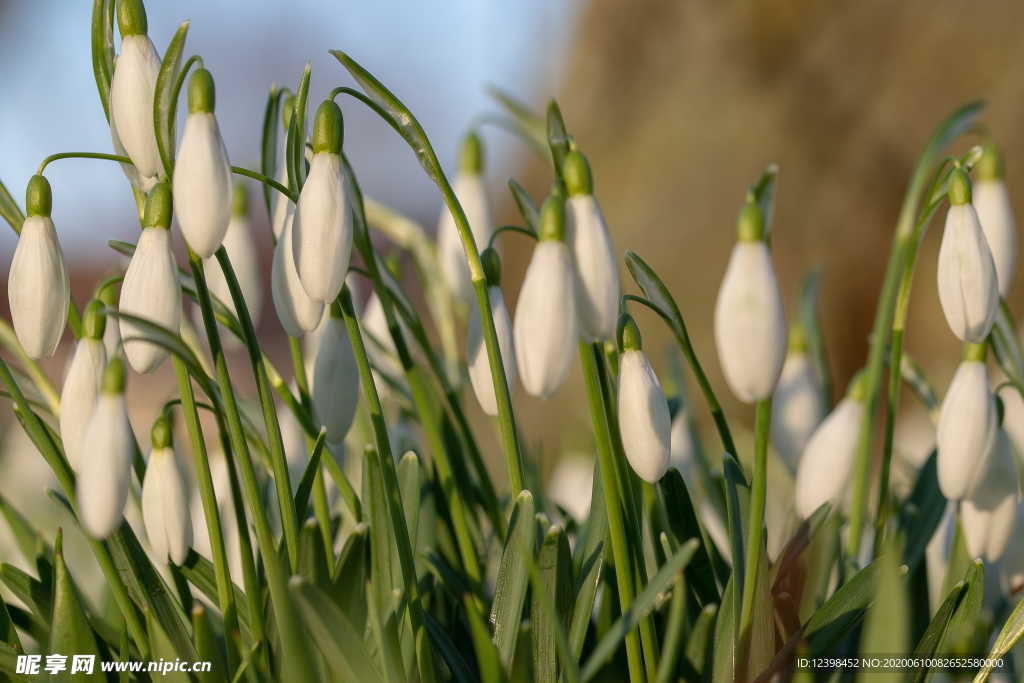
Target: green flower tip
(286, 111)
(576, 171)
(94, 320)
(552, 218)
(750, 227)
(114, 376)
(857, 389)
(58, 544)
(109, 294)
(797, 339)
(990, 165)
(328, 128)
(131, 18)
(629, 334)
(959, 187)
(202, 96)
(471, 155)
(975, 352)
(492, 267)
(38, 197)
(157, 213)
(240, 200)
(161, 436)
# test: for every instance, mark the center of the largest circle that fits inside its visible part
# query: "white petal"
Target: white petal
(202, 184)
(150, 290)
(335, 384)
(79, 395)
(643, 417)
(296, 311)
(750, 329)
(472, 195)
(282, 205)
(165, 507)
(968, 290)
(824, 472)
(995, 213)
(683, 449)
(322, 230)
(476, 351)
(241, 250)
(966, 432)
(597, 275)
(797, 409)
(38, 288)
(131, 104)
(104, 471)
(545, 329)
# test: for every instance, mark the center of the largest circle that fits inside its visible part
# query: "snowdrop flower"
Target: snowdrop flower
(472, 195)
(165, 500)
(282, 205)
(241, 251)
(823, 475)
(37, 286)
(797, 408)
(322, 228)
(545, 330)
(966, 434)
(750, 329)
(989, 515)
(131, 92)
(150, 289)
(644, 421)
(968, 289)
(82, 384)
(476, 351)
(202, 172)
(992, 204)
(297, 312)
(335, 385)
(104, 476)
(597, 275)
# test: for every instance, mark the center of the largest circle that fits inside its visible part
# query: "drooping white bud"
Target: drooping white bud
(82, 384)
(597, 275)
(823, 475)
(104, 470)
(38, 288)
(968, 288)
(296, 311)
(241, 250)
(202, 172)
(476, 351)
(546, 328)
(750, 328)
(150, 289)
(335, 378)
(797, 408)
(165, 500)
(989, 515)
(644, 420)
(131, 93)
(322, 229)
(471, 192)
(967, 429)
(995, 212)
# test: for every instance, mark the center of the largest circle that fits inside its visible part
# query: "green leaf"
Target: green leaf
(10, 210)
(737, 498)
(886, 627)
(558, 139)
(524, 202)
(488, 661)
(683, 521)
(555, 587)
(699, 644)
(723, 657)
(639, 609)
(531, 126)
(922, 513)
(513, 579)
(933, 635)
(1008, 636)
(764, 192)
(103, 49)
(268, 146)
(309, 475)
(71, 631)
(34, 594)
(207, 647)
(164, 96)
(200, 573)
(963, 636)
(161, 648)
(384, 574)
(385, 636)
(410, 481)
(296, 145)
(30, 542)
(312, 558)
(351, 571)
(588, 562)
(810, 318)
(334, 635)
(842, 611)
(452, 656)
(8, 633)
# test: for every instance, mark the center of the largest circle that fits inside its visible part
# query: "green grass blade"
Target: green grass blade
(513, 579)
(886, 626)
(554, 588)
(935, 632)
(164, 104)
(309, 475)
(103, 49)
(842, 611)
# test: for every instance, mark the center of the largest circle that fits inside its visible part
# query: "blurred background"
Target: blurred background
(679, 106)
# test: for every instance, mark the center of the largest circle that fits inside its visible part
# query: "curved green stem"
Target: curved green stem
(238, 170)
(35, 373)
(510, 228)
(81, 155)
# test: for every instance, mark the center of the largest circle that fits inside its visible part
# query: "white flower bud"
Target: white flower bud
(335, 379)
(823, 475)
(471, 191)
(296, 311)
(241, 250)
(104, 471)
(79, 395)
(165, 507)
(750, 328)
(989, 515)
(682, 447)
(476, 351)
(283, 207)
(322, 229)
(995, 213)
(38, 289)
(1011, 564)
(150, 290)
(202, 172)
(797, 409)
(967, 428)
(644, 421)
(131, 105)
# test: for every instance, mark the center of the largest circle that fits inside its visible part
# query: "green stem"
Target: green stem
(81, 155)
(269, 182)
(758, 497)
(35, 373)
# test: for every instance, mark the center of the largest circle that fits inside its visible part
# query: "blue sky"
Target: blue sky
(437, 56)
